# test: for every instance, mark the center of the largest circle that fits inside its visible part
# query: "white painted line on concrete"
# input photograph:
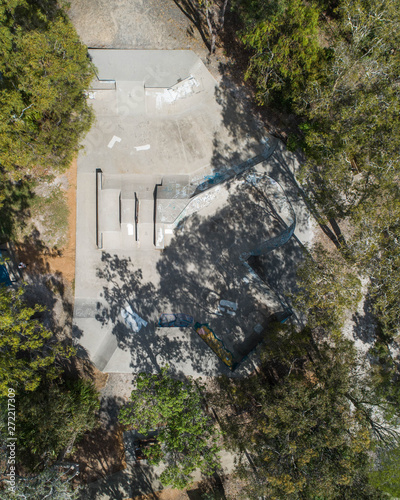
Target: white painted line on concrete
(142, 148)
(113, 141)
(130, 229)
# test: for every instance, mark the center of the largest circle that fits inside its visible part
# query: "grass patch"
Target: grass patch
(48, 218)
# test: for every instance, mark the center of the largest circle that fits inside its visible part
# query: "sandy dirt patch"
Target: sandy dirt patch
(64, 263)
(99, 454)
(43, 260)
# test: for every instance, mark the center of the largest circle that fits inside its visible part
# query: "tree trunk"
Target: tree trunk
(210, 28)
(67, 449)
(222, 17)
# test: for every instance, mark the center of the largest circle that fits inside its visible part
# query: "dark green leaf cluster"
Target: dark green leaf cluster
(295, 423)
(28, 351)
(186, 437)
(51, 418)
(284, 42)
(44, 72)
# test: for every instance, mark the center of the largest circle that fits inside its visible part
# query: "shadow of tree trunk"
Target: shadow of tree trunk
(192, 13)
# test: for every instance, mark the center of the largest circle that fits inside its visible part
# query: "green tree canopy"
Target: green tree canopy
(44, 71)
(297, 430)
(28, 351)
(329, 287)
(285, 48)
(386, 473)
(186, 438)
(50, 418)
(351, 109)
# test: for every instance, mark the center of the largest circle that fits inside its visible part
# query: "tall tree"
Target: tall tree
(285, 48)
(293, 423)
(28, 351)
(44, 72)
(51, 418)
(186, 437)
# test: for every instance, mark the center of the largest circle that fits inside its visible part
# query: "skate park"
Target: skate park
(178, 189)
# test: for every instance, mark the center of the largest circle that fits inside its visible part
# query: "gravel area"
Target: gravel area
(135, 24)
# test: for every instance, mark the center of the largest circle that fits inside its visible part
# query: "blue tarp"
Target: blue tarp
(175, 320)
(4, 276)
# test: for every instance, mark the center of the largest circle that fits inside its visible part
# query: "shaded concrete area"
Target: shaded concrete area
(199, 269)
(146, 169)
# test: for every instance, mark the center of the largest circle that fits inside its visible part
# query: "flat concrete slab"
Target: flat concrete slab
(159, 232)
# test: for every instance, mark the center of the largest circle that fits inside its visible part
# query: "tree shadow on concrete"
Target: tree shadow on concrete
(199, 268)
(241, 136)
(242, 121)
(284, 167)
(149, 350)
(277, 267)
(244, 126)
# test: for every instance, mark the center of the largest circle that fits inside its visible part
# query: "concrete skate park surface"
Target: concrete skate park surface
(164, 126)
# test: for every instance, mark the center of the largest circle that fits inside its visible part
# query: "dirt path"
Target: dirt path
(65, 262)
(41, 260)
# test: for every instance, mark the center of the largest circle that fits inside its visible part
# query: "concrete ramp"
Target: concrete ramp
(154, 67)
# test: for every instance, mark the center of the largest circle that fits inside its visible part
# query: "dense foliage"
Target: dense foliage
(337, 64)
(61, 412)
(294, 422)
(48, 422)
(28, 351)
(186, 438)
(52, 483)
(285, 46)
(44, 72)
